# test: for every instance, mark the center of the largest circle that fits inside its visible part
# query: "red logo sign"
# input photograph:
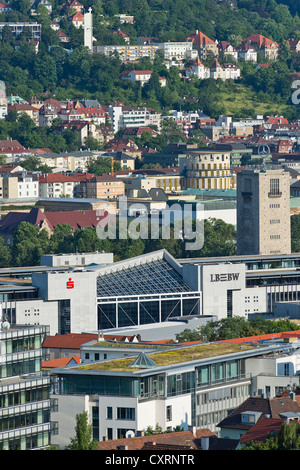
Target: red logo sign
(70, 284)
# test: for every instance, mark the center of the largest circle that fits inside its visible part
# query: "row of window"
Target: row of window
(22, 397)
(121, 413)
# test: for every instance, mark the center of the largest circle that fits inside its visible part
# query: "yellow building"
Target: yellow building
(207, 169)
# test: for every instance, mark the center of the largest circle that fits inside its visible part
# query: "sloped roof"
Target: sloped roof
(77, 219)
(199, 38)
(264, 428)
(266, 406)
(181, 438)
(11, 220)
(260, 40)
(60, 362)
(75, 340)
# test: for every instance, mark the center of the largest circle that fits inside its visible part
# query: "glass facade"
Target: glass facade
(24, 391)
(81, 384)
(210, 374)
(148, 278)
(146, 309)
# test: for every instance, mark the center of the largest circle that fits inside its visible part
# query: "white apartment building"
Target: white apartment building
(129, 116)
(178, 50)
(56, 185)
(141, 76)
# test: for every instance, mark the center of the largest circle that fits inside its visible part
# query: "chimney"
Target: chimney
(193, 430)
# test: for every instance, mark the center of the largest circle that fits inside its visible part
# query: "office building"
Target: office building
(24, 389)
(263, 212)
(179, 385)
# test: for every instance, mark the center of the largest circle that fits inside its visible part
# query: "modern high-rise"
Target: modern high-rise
(24, 388)
(263, 212)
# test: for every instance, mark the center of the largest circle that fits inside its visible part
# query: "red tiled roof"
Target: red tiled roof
(200, 38)
(181, 438)
(75, 340)
(262, 429)
(260, 40)
(60, 362)
(55, 178)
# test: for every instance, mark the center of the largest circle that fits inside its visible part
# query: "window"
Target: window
(109, 412)
(274, 187)
(169, 413)
(126, 413)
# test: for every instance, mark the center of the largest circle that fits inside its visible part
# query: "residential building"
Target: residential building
(102, 187)
(224, 72)
(5, 8)
(206, 169)
(141, 76)
(198, 69)
(178, 50)
(123, 35)
(77, 20)
(32, 112)
(263, 212)
(3, 100)
(266, 47)
(243, 418)
(128, 53)
(294, 45)
(247, 52)
(184, 441)
(205, 46)
(77, 219)
(130, 116)
(139, 184)
(17, 28)
(56, 185)
(84, 129)
(20, 186)
(125, 18)
(77, 161)
(126, 160)
(227, 50)
(24, 390)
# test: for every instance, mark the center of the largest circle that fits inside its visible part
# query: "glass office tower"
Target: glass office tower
(24, 389)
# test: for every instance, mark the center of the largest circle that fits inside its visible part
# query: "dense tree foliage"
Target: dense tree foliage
(236, 327)
(28, 243)
(80, 74)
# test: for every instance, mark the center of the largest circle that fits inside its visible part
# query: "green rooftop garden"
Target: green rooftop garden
(176, 355)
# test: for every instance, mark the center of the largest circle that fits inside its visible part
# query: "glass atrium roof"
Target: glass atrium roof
(149, 278)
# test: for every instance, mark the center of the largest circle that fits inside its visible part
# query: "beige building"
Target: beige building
(205, 46)
(263, 212)
(102, 187)
(206, 169)
(138, 187)
(73, 161)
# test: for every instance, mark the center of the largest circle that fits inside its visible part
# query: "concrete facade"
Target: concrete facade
(263, 212)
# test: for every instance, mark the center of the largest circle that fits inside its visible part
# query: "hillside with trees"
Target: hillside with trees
(80, 74)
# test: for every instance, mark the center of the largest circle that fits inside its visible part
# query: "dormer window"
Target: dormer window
(250, 417)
